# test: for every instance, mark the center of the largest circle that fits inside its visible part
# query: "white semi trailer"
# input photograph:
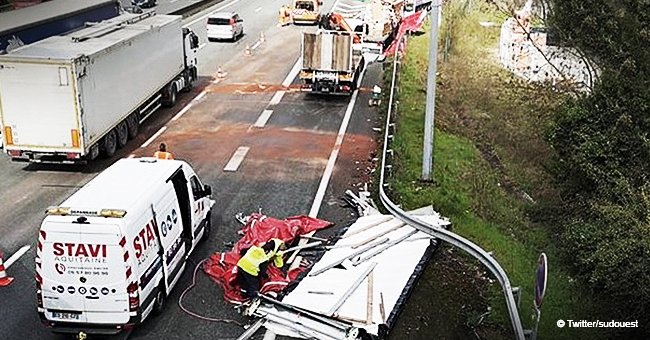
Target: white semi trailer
(70, 98)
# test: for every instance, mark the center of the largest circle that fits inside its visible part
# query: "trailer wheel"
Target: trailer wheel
(122, 134)
(133, 125)
(159, 300)
(170, 99)
(109, 144)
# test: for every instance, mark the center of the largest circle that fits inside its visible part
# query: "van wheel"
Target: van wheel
(207, 228)
(109, 144)
(159, 301)
(122, 134)
(133, 125)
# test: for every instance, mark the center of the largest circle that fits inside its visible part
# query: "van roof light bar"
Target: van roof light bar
(65, 211)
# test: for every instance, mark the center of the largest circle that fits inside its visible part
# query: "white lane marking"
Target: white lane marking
(182, 112)
(264, 117)
(131, 156)
(293, 73)
(258, 9)
(256, 45)
(236, 159)
(202, 46)
(209, 13)
(277, 97)
(199, 96)
(172, 1)
(329, 168)
(16, 256)
(155, 135)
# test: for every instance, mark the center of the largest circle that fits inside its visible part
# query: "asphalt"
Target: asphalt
(280, 175)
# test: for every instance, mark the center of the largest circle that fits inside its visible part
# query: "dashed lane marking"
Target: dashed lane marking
(236, 159)
(264, 117)
(13, 258)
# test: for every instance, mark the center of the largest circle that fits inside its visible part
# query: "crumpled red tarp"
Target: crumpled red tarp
(411, 23)
(222, 267)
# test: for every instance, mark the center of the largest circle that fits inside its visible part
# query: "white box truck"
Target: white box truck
(110, 254)
(68, 98)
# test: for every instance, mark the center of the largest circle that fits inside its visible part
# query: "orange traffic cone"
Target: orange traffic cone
(247, 51)
(220, 73)
(4, 279)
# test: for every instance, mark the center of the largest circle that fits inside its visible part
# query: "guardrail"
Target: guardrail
(441, 233)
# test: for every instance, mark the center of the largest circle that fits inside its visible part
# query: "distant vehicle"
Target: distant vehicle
(31, 24)
(111, 253)
(306, 11)
(144, 3)
(225, 25)
(92, 90)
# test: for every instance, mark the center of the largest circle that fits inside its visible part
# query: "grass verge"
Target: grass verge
(489, 168)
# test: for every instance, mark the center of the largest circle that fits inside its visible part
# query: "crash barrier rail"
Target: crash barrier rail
(441, 233)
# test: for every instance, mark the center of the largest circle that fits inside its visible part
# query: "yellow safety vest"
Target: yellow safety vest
(255, 256)
(163, 155)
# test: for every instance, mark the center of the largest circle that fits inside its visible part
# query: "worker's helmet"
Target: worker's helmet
(162, 147)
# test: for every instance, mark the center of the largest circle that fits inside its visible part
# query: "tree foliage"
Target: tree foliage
(602, 147)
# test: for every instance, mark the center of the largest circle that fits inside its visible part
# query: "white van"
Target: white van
(110, 254)
(225, 25)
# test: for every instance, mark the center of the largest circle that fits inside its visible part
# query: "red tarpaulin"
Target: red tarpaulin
(411, 23)
(222, 267)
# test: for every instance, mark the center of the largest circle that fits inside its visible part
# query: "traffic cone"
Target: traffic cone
(4, 279)
(220, 73)
(262, 37)
(247, 51)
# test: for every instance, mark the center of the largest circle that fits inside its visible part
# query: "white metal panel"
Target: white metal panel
(326, 51)
(38, 102)
(126, 74)
(395, 267)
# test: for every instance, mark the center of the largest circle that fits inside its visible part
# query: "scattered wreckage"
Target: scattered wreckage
(353, 288)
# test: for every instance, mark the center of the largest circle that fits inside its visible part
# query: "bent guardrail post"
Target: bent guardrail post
(446, 235)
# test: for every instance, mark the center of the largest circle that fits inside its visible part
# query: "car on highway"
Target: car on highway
(144, 3)
(225, 26)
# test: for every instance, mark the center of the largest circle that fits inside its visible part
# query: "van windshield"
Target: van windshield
(218, 21)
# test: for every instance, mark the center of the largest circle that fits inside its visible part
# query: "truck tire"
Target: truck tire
(170, 99)
(133, 125)
(122, 131)
(189, 82)
(109, 144)
(159, 300)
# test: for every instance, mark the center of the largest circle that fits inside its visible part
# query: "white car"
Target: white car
(225, 25)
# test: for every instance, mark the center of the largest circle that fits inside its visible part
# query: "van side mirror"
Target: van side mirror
(207, 190)
(195, 41)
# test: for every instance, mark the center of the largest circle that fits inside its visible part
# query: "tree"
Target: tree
(603, 152)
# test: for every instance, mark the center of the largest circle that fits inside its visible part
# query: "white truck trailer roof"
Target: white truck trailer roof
(124, 184)
(44, 12)
(94, 39)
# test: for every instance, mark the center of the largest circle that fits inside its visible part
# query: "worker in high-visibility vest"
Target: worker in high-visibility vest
(162, 152)
(253, 264)
(285, 15)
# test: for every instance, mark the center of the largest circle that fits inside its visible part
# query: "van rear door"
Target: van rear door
(84, 273)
